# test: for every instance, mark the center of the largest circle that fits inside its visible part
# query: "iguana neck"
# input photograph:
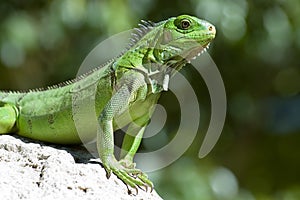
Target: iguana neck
(151, 56)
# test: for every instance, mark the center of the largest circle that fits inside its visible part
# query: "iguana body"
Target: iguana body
(120, 93)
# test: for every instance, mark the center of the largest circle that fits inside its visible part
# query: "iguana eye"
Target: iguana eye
(185, 24)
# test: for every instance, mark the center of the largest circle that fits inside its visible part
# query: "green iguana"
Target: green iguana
(130, 83)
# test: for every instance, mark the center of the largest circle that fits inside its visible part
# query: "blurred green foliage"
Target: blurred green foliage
(257, 51)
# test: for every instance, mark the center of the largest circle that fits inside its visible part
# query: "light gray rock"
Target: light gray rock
(35, 170)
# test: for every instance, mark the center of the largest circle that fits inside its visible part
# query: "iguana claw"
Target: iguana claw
(143, 177)
(108, 172)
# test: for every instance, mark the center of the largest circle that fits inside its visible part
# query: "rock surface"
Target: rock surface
(35, 170)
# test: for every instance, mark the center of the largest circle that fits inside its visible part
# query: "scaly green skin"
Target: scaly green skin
(120, 93)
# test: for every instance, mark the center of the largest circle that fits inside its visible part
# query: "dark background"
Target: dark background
(257, 51)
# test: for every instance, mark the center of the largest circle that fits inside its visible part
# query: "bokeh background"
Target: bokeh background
(257, 51)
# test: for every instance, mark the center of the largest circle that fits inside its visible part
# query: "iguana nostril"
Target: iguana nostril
(212, 29)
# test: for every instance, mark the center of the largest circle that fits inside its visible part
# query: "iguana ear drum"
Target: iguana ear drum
(167, 37)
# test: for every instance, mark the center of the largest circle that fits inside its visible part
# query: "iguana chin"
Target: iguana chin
(130, 83)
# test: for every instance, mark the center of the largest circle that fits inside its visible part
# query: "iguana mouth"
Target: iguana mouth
(197, 51)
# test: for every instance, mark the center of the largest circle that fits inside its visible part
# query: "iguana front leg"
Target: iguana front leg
(8, 117)
(133, 87)
(131, 143)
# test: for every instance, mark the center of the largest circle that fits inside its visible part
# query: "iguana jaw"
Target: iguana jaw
(175, 66)
(197, 51)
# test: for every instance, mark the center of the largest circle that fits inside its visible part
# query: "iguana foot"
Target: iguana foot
(131, 176)
(127, 163)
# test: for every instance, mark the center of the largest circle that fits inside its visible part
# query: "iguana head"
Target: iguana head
(184, 36)
(160, 49)
(180, 40)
